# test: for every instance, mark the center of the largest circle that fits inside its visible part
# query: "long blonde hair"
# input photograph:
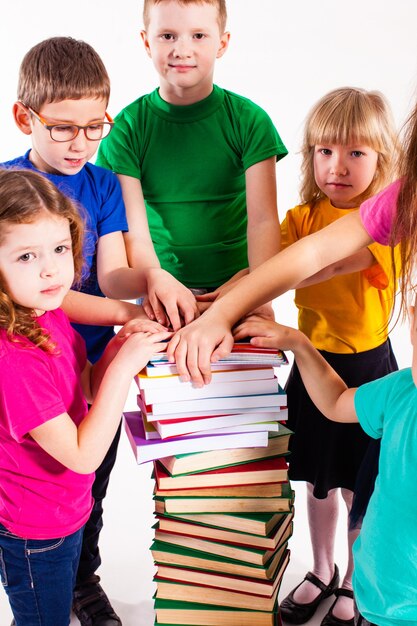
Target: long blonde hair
(24, 195)
(346, 116)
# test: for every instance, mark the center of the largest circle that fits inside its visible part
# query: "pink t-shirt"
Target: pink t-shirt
(378, 213)
(39, 497)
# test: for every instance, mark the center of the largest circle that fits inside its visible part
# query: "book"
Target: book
(276, 400)
(158, 380)
(213, 390)
(242, 352)
(223, 581)
(188, 463)
(269, 541)
(269, 470)
(170, 612)
(147, 410)
(170, 369)
(185, 426)
(151, 449)
(188, 504)
(252, 523)
(269, 490)
(177, 591)
(247, 554)
(170, 554)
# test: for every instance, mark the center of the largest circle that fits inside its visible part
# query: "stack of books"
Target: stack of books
(223, 502)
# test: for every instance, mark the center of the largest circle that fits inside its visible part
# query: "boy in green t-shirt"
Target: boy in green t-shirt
(196, 165)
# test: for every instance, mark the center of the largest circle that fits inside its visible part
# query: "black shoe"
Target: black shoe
(331, 620)
(92, 606)
(297, 612)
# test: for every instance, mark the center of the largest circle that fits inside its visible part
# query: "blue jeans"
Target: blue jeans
(38, 576)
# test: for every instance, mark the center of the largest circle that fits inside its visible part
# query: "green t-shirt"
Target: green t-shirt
(385, 553)
(191, 162)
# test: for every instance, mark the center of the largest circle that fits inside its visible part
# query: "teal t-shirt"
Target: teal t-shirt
(385, 553)
(191, 161)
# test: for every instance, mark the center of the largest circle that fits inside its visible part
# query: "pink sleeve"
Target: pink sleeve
(378, 213)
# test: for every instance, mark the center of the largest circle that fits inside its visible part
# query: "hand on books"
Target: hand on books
(168, 301)
(141, 324)
(199, 344)
(133, 351)
(266, 333)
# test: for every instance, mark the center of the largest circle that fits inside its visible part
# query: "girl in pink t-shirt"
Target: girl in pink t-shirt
(50, 445)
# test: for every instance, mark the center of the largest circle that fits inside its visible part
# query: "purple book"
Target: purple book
(151, 449)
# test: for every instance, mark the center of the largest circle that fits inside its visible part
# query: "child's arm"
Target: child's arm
(82, 449)
(167, 296)
(208, 338)
(324, 386)
(362, 260)
(263, 231)
(83, 308)
(115, 277)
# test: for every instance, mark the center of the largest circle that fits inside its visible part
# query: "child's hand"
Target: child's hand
(140, 324)
(196, 346)
(267, 334)
(135, 350)
(168, 301)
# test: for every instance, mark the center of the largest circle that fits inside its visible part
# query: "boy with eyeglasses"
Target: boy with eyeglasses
(63, 92)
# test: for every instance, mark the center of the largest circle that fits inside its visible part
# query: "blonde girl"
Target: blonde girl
(348, 155)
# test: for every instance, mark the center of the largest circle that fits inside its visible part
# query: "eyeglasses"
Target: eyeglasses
(68, 132)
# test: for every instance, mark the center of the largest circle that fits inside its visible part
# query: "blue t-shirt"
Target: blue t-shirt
(385, 553)
(97, 192)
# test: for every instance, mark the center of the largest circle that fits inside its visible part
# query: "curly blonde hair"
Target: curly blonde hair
(24, 195)
(346, 116)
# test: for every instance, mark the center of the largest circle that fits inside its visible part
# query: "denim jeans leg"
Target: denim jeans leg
(38, 577)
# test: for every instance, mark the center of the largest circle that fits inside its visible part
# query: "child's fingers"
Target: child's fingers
(158, 310)
(190, 313)
(173, 315)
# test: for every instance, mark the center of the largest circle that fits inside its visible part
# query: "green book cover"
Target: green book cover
(263, 523)
(287, 492)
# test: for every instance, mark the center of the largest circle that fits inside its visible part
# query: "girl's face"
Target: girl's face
(344, 173)
(36, 262)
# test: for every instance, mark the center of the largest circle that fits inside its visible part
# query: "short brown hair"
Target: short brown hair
(346, 116)
(61, 68)
(220, 4)
(24, 195)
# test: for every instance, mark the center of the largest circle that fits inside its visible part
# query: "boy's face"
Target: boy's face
(184, 42)
(67, 157)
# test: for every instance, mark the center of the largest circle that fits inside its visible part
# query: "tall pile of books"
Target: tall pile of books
(223, 502)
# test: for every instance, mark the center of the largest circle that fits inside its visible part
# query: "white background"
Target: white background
(284, 56)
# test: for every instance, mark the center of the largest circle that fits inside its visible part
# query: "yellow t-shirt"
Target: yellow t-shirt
(348, 313)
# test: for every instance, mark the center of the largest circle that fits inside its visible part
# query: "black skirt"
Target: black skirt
(328, 454)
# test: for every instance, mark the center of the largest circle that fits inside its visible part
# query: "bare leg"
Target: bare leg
(344, 606)
(322, 520)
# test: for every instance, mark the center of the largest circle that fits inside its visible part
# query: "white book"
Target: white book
(186, 391)
(172, 428)
(259, 401)
(152, 417)
(170, 369)
(172, 381)
(271, 427)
